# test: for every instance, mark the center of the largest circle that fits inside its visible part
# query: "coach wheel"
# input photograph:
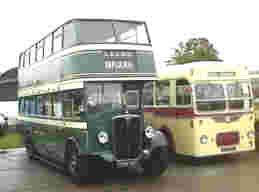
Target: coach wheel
(157, 163)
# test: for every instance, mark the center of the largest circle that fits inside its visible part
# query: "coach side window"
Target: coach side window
(255, 87)
(162, 92)
(183, 92)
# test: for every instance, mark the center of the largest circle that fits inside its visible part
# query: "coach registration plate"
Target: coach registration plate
(226, 149)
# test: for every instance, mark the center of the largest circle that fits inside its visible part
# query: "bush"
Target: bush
(11, 140)
(3, 129)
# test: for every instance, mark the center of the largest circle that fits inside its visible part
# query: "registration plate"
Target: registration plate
(226, 149)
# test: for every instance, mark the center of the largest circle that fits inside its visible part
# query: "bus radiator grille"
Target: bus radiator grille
(126, 137)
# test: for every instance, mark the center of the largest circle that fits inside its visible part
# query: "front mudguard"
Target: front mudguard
(158, 140)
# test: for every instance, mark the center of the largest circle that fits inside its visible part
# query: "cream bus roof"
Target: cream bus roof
(253, 71)
(204, 71)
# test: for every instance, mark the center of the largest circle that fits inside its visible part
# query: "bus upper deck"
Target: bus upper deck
(100, 49)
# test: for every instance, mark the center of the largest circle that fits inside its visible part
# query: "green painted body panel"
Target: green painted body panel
(87, 63)
(94, 63)
(100, 121)
(145, 63)
(50, 138)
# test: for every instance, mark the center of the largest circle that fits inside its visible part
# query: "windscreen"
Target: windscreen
(219, 96)
(210, 97)
(103, 96)
(237, 93)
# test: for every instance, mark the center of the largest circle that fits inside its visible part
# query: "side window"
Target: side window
(255, 88)
(67, 104)
(21, 106)
(26, 59)
(43, 104)
(148, 93)
(73, 103)
(58, 36)
(40, 50)
(57, 104)
(162, 93)
(183, 93)
(32, 106)
(78, 105)
(21, 61)
(32, 55)
(26, 107)
(48, 45)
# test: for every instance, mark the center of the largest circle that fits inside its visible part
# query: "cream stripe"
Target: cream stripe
(59, 123)
(71, 84)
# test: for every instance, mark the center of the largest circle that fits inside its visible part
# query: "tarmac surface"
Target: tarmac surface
(224, 173)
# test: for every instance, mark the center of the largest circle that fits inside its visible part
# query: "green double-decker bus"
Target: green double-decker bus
(80, 99)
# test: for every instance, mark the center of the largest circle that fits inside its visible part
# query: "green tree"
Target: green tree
(194, 49)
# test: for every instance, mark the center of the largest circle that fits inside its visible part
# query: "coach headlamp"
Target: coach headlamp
(250, 134)
(204, 139)
(102, 137)
(149, 132)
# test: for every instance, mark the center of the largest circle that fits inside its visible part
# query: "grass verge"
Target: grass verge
(11, 140)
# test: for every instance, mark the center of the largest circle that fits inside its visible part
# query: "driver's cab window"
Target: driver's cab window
(132, 98)
(162, 92)
(93, 97)
(148, 93)
(103, 96)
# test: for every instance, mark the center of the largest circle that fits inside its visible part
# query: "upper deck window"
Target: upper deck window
(110, 32)
(95, 32)
(57, 40)
(83, 31)
(131, 33)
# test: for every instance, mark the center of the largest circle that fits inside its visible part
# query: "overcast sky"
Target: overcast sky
(232, 26)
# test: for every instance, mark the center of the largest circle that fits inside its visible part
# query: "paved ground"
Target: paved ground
(236, 173)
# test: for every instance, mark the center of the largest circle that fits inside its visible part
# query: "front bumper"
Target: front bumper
(131, 164)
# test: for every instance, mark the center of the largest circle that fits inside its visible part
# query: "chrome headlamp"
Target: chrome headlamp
(204, 139)
(102, 137)
(149, 132)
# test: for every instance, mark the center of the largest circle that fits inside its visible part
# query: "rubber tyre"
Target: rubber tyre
(157, 163)
(30, 150)
(76, 166)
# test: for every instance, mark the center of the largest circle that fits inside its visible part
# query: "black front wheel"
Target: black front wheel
(157, 163)
(76, 167)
